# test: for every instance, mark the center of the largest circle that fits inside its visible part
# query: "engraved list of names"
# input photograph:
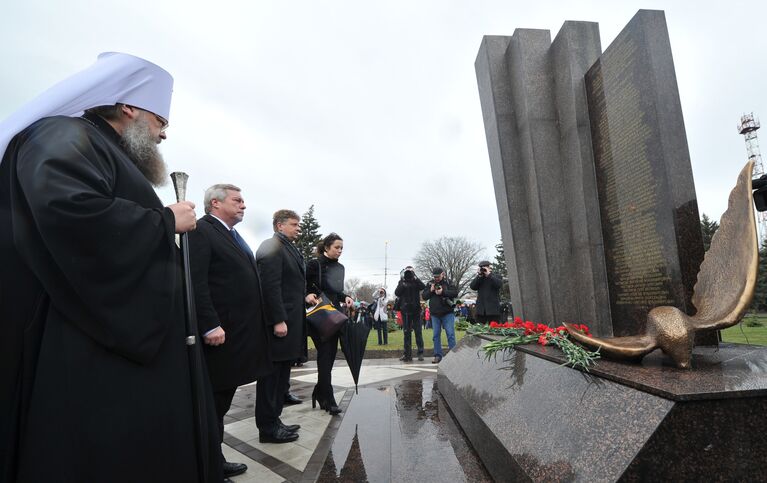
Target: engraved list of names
(636, 224)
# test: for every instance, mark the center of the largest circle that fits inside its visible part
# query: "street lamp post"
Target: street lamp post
(386, 261)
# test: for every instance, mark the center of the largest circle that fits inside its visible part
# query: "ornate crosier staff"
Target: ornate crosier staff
(195, 358)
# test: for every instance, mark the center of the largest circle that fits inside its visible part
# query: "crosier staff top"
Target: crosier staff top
(179, 184)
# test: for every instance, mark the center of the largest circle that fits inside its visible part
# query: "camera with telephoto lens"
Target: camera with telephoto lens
(408, 275)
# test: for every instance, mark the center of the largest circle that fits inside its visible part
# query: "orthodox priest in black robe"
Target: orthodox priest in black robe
(95, 376)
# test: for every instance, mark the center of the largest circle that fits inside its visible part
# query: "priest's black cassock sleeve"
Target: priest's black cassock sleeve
(99, 375)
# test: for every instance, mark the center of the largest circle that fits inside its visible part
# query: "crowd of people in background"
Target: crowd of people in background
(466, 311)
(432, 305)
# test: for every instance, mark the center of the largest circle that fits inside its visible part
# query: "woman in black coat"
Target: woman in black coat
(325, 275)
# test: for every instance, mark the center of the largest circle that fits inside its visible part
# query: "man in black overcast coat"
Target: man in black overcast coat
(228, 302)
(409, 292)
(488, 286)
(283, 279)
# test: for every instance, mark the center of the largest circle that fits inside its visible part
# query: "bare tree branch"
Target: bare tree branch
(457, 255)
(359, 290)
(351, 285)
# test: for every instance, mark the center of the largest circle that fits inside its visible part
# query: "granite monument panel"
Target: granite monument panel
(652, 239)
(573, 51)
(537, 138)
(536, 125)
(500, 126)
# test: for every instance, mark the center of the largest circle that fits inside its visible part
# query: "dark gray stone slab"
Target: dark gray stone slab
(574, 50)
(727, 371)
(537, 129)
(533, 192)
(532, 419)
(541, 169)
(649, 212)
(510, 190)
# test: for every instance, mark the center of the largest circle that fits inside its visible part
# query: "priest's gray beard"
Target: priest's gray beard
(142, 148)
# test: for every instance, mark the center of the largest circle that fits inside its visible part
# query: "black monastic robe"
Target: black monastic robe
(95, 377)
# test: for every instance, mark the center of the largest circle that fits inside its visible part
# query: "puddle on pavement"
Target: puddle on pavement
(401, 431)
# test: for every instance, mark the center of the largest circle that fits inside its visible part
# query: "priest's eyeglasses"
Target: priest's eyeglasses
(163, 122)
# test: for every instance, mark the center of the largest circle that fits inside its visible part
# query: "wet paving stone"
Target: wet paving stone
(400, 431)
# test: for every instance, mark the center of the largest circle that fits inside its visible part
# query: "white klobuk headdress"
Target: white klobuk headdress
(114, 78)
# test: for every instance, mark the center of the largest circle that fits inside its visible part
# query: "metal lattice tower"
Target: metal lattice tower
(747, 127)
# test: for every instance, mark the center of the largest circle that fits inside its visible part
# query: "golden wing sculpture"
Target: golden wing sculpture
(723, 292)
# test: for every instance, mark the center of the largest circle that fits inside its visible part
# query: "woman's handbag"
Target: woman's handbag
(324, 317)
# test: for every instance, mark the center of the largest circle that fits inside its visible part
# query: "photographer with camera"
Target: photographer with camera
(408, 290)
(439, 293)
(488, 287)
(380, 316)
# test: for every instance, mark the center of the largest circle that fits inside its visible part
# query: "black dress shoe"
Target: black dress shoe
(292, 399)
(279, 435)
(290, 427)
(234, 469)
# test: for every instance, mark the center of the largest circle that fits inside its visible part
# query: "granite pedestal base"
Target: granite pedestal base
(532, 419)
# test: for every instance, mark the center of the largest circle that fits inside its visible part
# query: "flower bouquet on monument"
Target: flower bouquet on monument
(521, 332)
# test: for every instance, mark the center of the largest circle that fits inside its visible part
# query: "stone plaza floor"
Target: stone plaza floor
(397, 428)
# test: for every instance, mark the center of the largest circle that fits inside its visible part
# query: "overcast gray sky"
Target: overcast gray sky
(369, 110)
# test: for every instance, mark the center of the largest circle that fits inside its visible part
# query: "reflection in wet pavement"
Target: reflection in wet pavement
(401, 431)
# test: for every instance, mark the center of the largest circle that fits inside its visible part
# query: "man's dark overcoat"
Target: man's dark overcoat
(228, 293)
(283, 282)
(95, 377)
(488, 294)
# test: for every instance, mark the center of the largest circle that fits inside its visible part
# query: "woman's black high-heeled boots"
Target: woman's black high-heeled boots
(330, 404)
(327, 402)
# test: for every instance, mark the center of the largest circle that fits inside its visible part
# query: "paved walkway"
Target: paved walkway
(397, 428)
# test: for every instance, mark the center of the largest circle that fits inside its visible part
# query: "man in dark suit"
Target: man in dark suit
(488, 285)
(283, 278)
(228, 301)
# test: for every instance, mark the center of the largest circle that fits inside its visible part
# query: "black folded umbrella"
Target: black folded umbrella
(354, 339)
